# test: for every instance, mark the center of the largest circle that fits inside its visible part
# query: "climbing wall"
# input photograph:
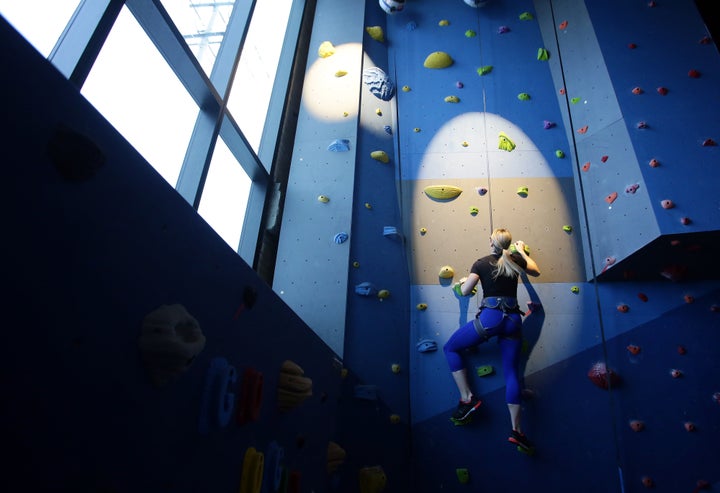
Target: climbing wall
(520, 109)
(314, 252)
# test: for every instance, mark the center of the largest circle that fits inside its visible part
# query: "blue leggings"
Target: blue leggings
(492, 322)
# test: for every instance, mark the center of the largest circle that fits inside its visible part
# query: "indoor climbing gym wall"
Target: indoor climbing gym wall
(573, 125)
(141, 354)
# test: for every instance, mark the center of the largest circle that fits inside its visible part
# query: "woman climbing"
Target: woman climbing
(500, 316)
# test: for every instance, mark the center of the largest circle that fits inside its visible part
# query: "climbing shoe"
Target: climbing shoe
(464, 409)
(519, 439)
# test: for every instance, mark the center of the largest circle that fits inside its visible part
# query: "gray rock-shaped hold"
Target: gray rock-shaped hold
(379, 83)
(339, 145)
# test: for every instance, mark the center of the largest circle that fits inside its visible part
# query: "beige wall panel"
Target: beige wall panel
(457, 238)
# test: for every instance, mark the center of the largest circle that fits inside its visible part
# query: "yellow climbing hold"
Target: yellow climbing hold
(383, 294)
(438, 59)
(416, 129)
(323, 198)
(442, 192)
(444, 22)
(340, 73)
(464, 143)
(452, 99)
(376, 33)
(446, 272)
(326, 49)
(380, 156)
(345, 113)
(378, 111)
(368, 205)
(421, 306)
(505, 143)
(406, 88)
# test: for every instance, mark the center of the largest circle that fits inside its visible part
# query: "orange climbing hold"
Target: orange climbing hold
(643, 297)
(611, 198)
(563, 25)
(583, 130)
(689, 298)
(633, 349)
(654, 163)
(586, 166)
(622, 308)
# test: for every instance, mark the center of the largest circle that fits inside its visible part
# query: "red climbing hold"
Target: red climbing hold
(709, 143)
(685, 221)
(701, 484)
(651, 4)
(690, 426)
(662, 91)
(563, 24)
(693, 73)
(637, 425)
(648, 482)
(602, 376)
(604, 159)
(562, 90)
(633, 349)
(623, 308)
(654, 163)
(681, 350)
(643, 297)
(637, 90)
(715, 308)
(611, 198)
(705, 40)
(689, 298)
(632, 46)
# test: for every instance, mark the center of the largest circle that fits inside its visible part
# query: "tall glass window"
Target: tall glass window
(41, 22)
(225, 195)
(250, 93)
(135, 89)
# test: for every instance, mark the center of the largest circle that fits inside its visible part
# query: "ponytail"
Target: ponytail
(505, 266)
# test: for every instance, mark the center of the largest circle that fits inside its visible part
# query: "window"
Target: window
(41, 22)
(135, 89)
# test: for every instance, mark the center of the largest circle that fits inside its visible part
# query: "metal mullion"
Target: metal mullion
(80, 43)
(160, 28)
(276, 108)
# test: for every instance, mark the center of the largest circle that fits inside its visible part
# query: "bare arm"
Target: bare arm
(531, 268)
(469, 283)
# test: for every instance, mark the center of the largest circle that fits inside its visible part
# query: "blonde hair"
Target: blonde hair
(505, 266)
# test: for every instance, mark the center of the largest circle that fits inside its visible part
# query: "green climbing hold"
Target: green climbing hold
(485, 370)
(543, 54)
(505, 143)
(470, 33)
(463, 475)
(523, 96)
(567, 228)
(575, 100)
(484, 70)
(559, 154)
(526, 16)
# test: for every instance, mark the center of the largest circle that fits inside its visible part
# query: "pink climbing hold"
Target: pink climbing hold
(667, 204)
(685, 221)
(637, 90)
(651, 4)
(602, 376)
(623, 308)
(694, 74)
(654, 163)
(705, 40)
(642, 125)
(690, 426)
(675, 373)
